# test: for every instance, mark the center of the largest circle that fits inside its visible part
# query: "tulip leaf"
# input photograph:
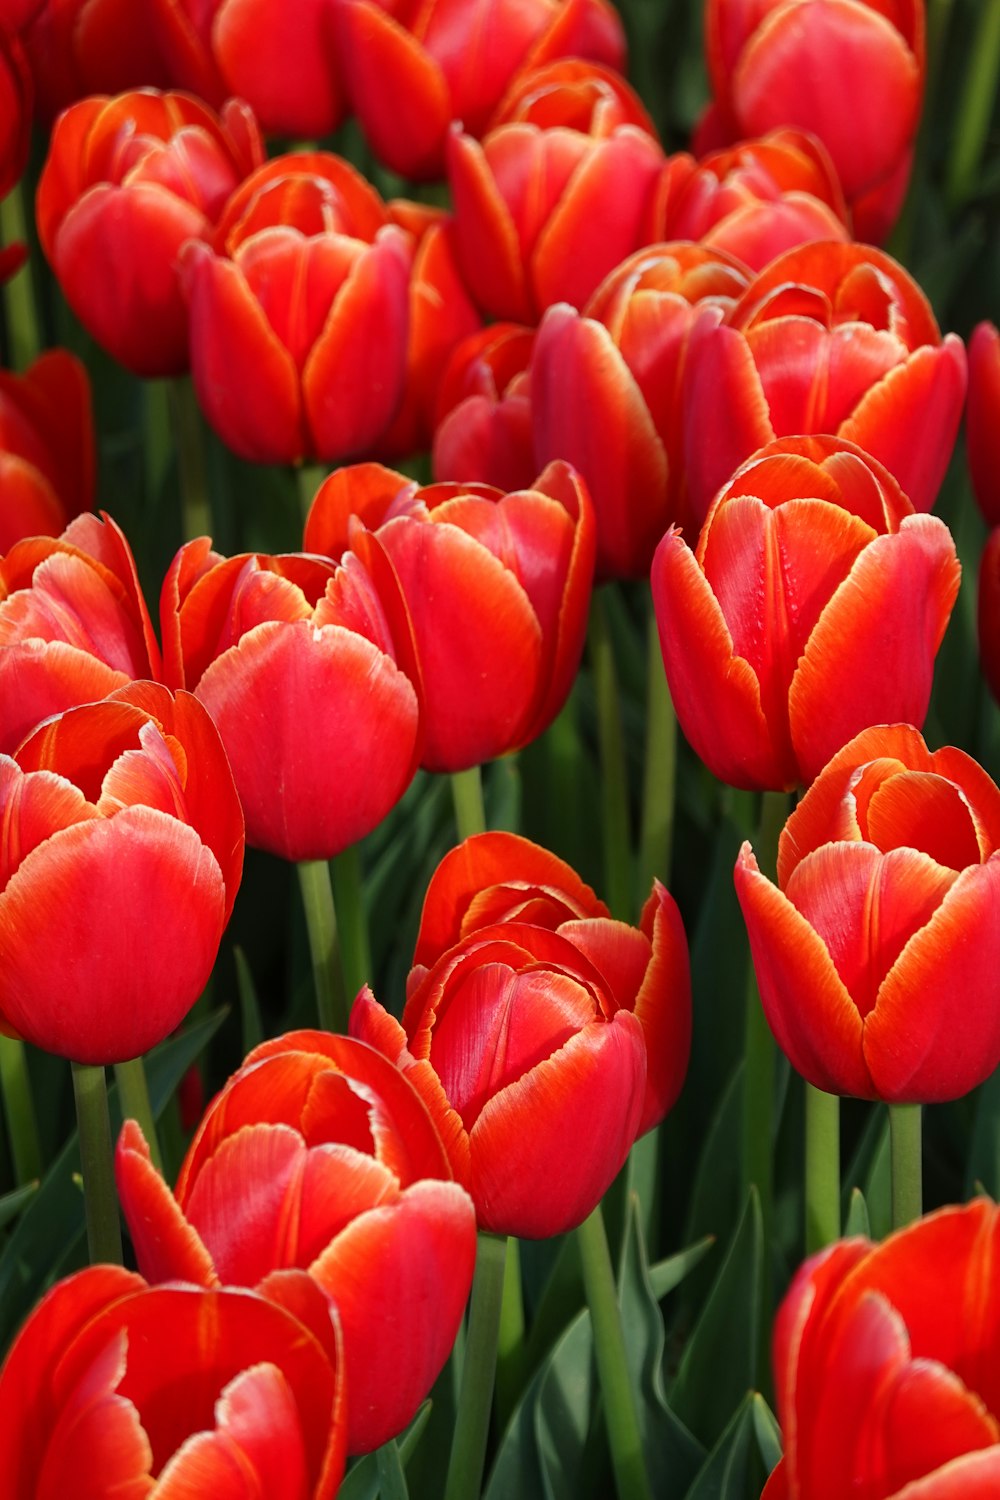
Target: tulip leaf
(252, 1026)
(767, 1432)
(563, 1413)
(857, 1221)
(12, 1203)
(715, 1194)
(364, 1481)
(669, 1273)
(877, 1186)
(983, 1162)
(516, 1468)
(391, 1479)
(723, 1476)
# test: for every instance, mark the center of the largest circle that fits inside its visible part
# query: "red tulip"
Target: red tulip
(73, 622)
(15, 111)
(886, 1361)
(303, 667)
(483, 430)
(46, 447)
(121, 861)
(773, 667)
(877, 952)
(496, 588)
(573, 93)
(114, 1389)
(982, 420)
(318, 1154)
(299, 323)
(82, 47)
(545, 1037)
(625, 358)
(412, 69)
(989, 612)
(829, 338)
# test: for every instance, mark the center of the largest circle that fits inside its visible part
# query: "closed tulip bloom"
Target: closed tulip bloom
(877, 951)
(46, 447)
(483, 430)
(319, 1155)
(128, 181)
(828, 338)
(885, 1361)
(80, 47)
(496, 590)
(121, 862)
(16, 96)
(116, 1389)
(594, 1017)
(982, 420)
(773, 668)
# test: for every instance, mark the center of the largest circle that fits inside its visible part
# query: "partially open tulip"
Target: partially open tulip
(877, 952)
(886, 1361)
(982, 420)
(543, 1035)
(114, 1389)
(122, 856)
(318, 1154)
(772, 667)
(46, 447)
(483, 430)
(82, 47)
(496, 590)
(128, 181)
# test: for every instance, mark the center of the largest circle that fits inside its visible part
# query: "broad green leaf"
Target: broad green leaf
(562, 1412)
(723, 1476)
(715, 1196)
(767, 1431)
(877, 1186)
(516, 1469)
(12, 1203)
(667, 1274)
(362, 1480)
(983, 1162)
(857, 1216)
(561, 1292)
(252, 1026)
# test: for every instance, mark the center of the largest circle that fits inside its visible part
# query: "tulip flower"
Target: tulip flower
(81, 47)
(989, 612)
(318, 1154)
(885, 1361)
(73, 622)
(483, 430)
(303, 667)
(595, 1021)
(982, 420)
(114, 1388)
(877, 951)
(121, 861)
(625, 358)
(282, 375)
(15, 111)
(46, 447)
(126, 183)
(828, 338)
(496, 590)
(412, 70)
(772, 669)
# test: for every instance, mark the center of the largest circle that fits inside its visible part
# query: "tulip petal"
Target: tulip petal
(486, 236)
(663, 1006)
(94, 1420)
(39, 679)
(247, 37)
(32, 808)
(166, 1246)
(398, 91)
(919, 810)
(725, 414)
(973, 1476)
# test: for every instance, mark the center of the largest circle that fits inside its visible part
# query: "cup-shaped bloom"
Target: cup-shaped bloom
(813, 607)
(298, 662)
(73, 624)
(127, 181)
(496, 590)
(483, 430)
(625, 357)
(982, 420)
(542, 1049)
(412, 69)
(876, 952)
(15, 110)
(318, 1154)
(82, 47)
(299, 319)
(46, 447)
(828, 338)
(886, 1361)
(116, 1388)
(121, 858)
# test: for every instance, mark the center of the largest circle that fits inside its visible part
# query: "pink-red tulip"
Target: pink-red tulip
(483, 430)
(496, 589)
(543, 1036)
(829, 338)
(115, 1389)
(46, 447)
(982, 420)
(876, 953)
(886, 1361)
(318, 1154)
(80, 47)
(814, 606)
(122, 855)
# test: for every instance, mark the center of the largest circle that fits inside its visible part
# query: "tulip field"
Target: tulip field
(499, 742)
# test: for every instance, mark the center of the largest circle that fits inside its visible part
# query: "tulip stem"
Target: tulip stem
(905, 1161)
(611, 752)
(467, 796)
(104, 1237)
(658, 789)
(19, 1108)
(624, 1437)
(822, 1224)
(321, 926)
(352, 923)
(976, 109)
(186, 419)
(510, 1346)
(475, 1396)
(133, 1096)
(24, 340)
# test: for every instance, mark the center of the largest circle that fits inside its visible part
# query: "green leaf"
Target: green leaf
(667, 1274)
(562, 1411)
(12, 1203)
(253, 1029)
(857, 1216)
(877, 1185)
(561, 1295)
(767, 1431)
(723, 1476)
(391, 1479)
(516, 1469)
(362, 1481)
(983, 1162)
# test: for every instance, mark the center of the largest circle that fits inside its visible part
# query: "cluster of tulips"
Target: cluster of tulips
(695, 374)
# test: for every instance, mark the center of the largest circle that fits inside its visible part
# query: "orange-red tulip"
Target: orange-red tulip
(318, 1154)
(886, 1361)
(115, 1389)
(814, 606)
(82, 47)
(483, 430)
(982, 420)
(877, 952)
(46, 447)
(122, 854)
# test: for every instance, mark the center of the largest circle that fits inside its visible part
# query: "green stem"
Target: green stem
(19, 1108)
(104, 1239)
(321, 925)
(467, 796)
(976, 108)
(391, 1479)
(656, 834)
(624, 1436)
(352, 925)
(611, 750)
(19, 293)
(822, 1224)
(308, 479)
(904, 1155)
(760, 1050)
(510, 1346)
(188, 426)
(133, 1096)
(472, 1420)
